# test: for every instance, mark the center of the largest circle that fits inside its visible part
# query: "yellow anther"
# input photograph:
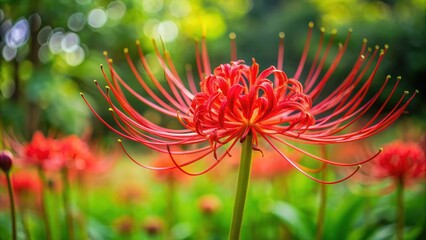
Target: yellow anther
(281, 35)
(232, 35)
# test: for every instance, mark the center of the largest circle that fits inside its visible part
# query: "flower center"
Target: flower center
(236, 99)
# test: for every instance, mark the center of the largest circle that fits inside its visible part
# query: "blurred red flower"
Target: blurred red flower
(401, 161)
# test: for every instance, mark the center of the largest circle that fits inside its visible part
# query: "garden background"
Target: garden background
(54, 54)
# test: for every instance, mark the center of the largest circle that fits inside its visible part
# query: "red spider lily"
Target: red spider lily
(400, 160)
(40, 152)
(54, 153)
(235, 100)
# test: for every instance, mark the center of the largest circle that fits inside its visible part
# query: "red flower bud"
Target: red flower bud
(5, 160)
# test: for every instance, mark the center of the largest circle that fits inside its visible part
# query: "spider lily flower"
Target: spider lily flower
(236, 99)
(400, 161)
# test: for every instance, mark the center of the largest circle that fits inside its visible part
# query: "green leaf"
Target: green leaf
(300, 224)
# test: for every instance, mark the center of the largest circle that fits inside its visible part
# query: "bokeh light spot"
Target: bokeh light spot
(43, 35)
(7, 88)
(97, 18)
(150, 26)
(83, 2)
(8, 53)
(55, 42)
(116, 10)
(168, 30)
(18, 34)
(44, 53)
(35, 21)
(70, 42)
(75, 57)
(152, 6)
(76, 21)
(180, 8)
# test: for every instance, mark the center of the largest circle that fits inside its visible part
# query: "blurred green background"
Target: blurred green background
(51, 50)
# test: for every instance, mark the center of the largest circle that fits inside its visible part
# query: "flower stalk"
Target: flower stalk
(5, 166)
(242, 186)
(12, 205)
(322, 208)
(67, 204)
(323, 198)
(400, 209)
(44, 203)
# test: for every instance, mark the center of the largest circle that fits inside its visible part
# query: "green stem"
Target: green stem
(242, 186)
(400, 208)
(25, 225)
(322, 206)
(171, 203)
(44, 204)
(67, 204)
(323, 197)
(12, 205)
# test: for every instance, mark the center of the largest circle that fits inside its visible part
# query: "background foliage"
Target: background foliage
(54, 54)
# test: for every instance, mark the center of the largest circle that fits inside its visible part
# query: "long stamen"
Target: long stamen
(305, 52)
(280, 61)
(233, 43)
